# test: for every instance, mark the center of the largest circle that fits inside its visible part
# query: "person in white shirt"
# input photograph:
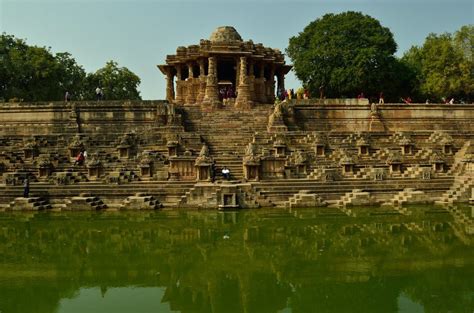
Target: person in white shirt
(225, 172)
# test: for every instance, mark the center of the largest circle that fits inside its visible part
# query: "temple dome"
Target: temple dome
(225, 33)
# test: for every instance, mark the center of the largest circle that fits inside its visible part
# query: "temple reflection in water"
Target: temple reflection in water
(259, 261)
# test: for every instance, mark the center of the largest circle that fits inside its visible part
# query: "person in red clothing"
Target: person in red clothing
(79, 159)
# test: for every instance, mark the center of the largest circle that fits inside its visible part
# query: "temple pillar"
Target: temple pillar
(211, 96)
(179, 99)
(202, 82)
(281, 82)
(243, 90)
(270, 85)
(191, 94)
(169, 86)
(261, 94)
(237, 73)
(251, 79)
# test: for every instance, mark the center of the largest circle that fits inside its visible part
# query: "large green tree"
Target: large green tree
(32, 73)
(116, 82)
(347, 53)
(444, 65)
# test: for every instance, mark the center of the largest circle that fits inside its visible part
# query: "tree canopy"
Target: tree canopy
(444, 65)
(347, 53)
(32, 73)
(116, 82)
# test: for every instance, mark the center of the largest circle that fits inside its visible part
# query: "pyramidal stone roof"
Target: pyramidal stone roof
(225, 33)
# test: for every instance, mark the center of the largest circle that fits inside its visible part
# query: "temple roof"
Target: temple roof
(225, 33)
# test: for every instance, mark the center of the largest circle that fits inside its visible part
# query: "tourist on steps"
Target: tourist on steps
(79, 159)
(26, 187)
(225, 172)
(99, 93)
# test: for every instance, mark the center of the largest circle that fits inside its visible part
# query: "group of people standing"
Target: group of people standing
(99, 93)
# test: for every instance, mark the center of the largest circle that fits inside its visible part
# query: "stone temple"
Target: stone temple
(220, 112)
(227, 67)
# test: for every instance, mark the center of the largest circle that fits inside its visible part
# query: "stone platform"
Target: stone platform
(337, 153)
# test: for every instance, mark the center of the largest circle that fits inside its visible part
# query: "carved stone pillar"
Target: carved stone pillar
(281, 82)
(169, 86)
(179, 86)
(211, 97)
(251, 81)
(243, 91)
(261, 92)
(202, 82)
(191, 94)
(270, 84)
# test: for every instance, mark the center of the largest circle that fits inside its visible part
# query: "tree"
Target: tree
(33, 73)
(117, 83)
(444, 65)
(71, 76)
(347, 53)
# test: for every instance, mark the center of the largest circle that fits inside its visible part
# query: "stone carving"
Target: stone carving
(373, 109)
(145, 160)
(437, 157)
(380, 174)
(251, 157)
(204, 158)
(426, 173)
(44, 161)
(76, 142)
(94, 161)
(299, 158)
(276, 122)
(347, 158)
(394, 158)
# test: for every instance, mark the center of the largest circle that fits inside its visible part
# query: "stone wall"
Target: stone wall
(334, 150)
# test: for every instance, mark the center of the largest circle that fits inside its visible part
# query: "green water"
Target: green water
(255, 261)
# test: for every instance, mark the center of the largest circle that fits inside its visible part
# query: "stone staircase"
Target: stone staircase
(414, 171)
(355, 197)
(227, 132)
(364, 173)
(29, 204)
(458, 165)
(406, 195)
(460, 189)
(423, 154)
(140, 201)
(304, 198)
(87, 202)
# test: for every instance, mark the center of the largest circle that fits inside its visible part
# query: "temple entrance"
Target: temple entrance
(226, 77)
(226, 71)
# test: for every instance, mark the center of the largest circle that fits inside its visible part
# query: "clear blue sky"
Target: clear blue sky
(139, 34)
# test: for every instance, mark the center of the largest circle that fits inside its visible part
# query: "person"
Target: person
(427, 101)
(26, 187)
(67, 96)
(381, 100)
(451, 101)
(79, 158)
(84, 152)
(306, 94)
(407, 100)
(99, 93)
(226, 172)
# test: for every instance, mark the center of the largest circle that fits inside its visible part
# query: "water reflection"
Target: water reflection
(256, 261)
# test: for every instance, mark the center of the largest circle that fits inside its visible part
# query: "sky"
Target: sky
(138, 34)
